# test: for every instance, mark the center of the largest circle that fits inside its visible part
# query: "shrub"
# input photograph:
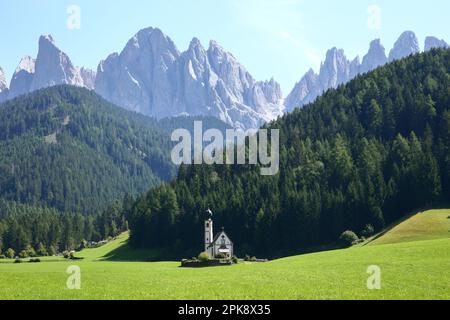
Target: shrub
(203, 257)
(10, 253)
(41, 251)
(37, 260)
(247, 257)
(220, 256)
(52, 251)
(23, 254)
(18, 261)
(235, 260)
(83, 245)
(368, 231)
(253, 259)
(66, 254)
(2, 256)
(348, 238)
(30, 252)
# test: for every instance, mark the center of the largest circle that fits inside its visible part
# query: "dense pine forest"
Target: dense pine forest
(360, 157)
(68, 149)
(39, 231)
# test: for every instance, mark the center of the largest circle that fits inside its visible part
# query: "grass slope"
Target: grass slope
(412, 270)
(118, 250)
(428, 225)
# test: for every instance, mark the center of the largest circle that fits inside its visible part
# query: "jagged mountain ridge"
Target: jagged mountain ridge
(51, 67)
(337, 69)
(153, 77)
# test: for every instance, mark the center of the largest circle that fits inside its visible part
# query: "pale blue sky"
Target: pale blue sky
(279, 38)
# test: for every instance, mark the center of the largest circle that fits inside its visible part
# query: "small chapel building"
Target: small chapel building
(220, 243)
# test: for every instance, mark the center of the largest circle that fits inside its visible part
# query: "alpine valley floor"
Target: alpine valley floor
(412, 267)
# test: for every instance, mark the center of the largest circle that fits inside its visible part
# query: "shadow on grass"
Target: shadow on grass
(126, 253)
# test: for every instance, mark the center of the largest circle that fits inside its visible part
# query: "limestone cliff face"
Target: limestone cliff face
(374, 58)
(433, 43)
(53, 67)
(3, 86)
(23, 77)
(152, 77)
(406, 45)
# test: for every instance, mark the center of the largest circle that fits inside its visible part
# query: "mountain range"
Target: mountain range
(337, 69)
(152, 77)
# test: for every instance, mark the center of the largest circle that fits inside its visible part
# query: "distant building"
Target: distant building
(220, 243)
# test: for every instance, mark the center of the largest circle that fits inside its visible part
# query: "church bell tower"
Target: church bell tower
(209, 233)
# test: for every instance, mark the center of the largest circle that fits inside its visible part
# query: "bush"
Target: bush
(23, 254)
(247, 257)
(37, 260)
(348, 238)
(253, 259)
(41, 251)
(368, 231)
(52, 251)
(2, 256)
(30, 251)
(18, 261)
(220, 256)
(203, 257)
(83, 245)
(10, 253)
(66, 254)
(235, 260)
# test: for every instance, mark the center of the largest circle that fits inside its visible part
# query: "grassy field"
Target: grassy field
(428, 225)
(410, 270)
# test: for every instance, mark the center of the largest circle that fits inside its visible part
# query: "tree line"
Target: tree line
(41, 231)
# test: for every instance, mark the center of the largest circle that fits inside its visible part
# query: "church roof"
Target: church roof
(218, 235)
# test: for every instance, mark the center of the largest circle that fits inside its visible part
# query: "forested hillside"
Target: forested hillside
(68, 149)
(29, 230)
(358, 158)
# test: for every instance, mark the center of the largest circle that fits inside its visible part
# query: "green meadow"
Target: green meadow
(414, 258)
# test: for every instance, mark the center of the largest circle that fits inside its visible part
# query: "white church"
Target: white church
(220, 243)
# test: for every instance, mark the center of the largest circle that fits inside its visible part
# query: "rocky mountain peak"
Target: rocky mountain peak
(46, 39)
(152, 77)
(304, 92)
(195, 43)
(23, 77)
(354, 67)
(335, 70)
(406, 45)
(375, 57)
(53, 67)
(433, 42)
(27, 64)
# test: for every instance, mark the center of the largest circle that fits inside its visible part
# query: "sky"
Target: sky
(282, 39)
